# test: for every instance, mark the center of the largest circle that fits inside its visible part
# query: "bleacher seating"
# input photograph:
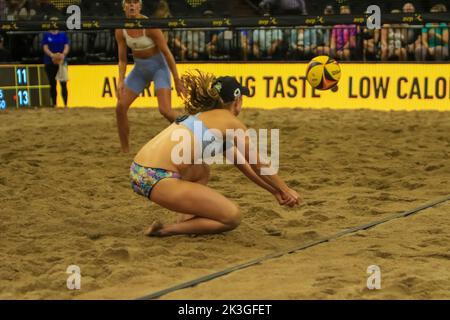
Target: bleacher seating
(34, 54)
(103, 48)
(79, 46)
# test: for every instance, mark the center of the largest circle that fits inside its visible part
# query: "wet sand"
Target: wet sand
(65, 200)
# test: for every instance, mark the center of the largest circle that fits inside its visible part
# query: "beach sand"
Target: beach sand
(65, 200)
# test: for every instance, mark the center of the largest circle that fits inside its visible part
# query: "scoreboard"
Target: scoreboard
(23, 86)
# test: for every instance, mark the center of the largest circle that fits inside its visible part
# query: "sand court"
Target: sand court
(65, 200)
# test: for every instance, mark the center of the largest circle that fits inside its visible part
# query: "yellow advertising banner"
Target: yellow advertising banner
(370, 86)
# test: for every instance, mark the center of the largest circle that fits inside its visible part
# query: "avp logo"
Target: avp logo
(374, 20)
(74, 280)
(374, 280)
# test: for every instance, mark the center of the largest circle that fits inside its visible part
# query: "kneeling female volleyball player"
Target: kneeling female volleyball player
(211, 103)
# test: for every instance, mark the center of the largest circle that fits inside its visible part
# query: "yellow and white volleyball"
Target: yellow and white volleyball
(323, 73)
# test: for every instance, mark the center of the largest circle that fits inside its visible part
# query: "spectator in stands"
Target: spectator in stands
(435, 44)
(162, 11)
(45, 9)
(221, 44)
(191, 44)
(367, 43)
(284, 6)
(195, 42)
(370, 43)
(267, 42)
(245, 43)
(18, 10)
(413, 35)
(343, 38)
(393, 42)
(5, 55)
(324, 35)
(179, 50)
(303, 43)
(2, 10)
(56, 47)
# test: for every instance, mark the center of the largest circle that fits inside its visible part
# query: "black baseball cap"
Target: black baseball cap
(230, 89)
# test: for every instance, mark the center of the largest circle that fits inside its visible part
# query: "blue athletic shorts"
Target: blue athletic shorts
(147, 70)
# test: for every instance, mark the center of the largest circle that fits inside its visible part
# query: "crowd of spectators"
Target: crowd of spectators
(394, 42)
(13, 10)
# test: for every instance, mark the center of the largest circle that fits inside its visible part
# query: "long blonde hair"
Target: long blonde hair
(162, 10)
(201, 96)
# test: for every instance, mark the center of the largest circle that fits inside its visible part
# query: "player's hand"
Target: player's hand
(290, 197)
(181, 89)
(280, 199)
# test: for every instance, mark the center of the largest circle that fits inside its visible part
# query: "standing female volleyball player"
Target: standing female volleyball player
(153, 62)
(181, 187)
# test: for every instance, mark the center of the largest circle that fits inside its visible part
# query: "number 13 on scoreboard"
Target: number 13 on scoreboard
(23, 97)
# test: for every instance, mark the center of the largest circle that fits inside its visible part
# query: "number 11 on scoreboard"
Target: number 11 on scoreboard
(22, 78)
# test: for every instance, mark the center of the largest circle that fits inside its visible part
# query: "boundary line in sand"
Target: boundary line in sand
(280, 253)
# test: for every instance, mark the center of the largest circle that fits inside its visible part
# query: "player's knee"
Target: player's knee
(121, 108)
(233, 217)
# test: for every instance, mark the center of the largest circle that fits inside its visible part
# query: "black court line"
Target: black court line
(277, 254)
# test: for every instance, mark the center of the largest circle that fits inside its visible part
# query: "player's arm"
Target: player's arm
(122, 48)
(234, 156)
(158, 38)
(246, 148)
(243, 166)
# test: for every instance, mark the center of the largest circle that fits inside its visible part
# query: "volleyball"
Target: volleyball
(323, 73)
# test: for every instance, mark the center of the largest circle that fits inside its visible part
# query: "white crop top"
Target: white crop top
(138, 44)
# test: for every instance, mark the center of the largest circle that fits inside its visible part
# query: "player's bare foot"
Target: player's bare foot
(154, 230)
